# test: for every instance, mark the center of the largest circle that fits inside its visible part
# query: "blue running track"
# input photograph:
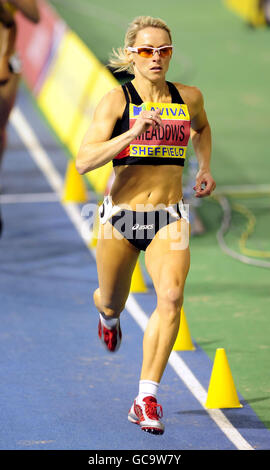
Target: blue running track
(60, 389)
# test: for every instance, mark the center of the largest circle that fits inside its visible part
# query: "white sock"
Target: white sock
(146, 388)
(108, 322)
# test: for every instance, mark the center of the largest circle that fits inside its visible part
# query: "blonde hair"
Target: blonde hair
(119, 59)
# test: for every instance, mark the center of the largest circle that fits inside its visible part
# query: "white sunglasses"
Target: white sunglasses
(147, 52)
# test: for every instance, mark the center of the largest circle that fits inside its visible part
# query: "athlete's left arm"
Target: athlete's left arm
(202, 144)
(29, 8)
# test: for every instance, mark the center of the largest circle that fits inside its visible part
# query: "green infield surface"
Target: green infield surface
(227, 300)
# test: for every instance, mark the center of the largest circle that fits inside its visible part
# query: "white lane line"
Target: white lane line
(28, 197)
(43, 161)
(32, 197)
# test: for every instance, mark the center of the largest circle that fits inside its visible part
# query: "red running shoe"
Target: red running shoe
(111, 338)
(145, 413)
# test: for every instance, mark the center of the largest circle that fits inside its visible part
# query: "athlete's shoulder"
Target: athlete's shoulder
(115, 95)
(192, 93)
(113, 101)
(192, 96)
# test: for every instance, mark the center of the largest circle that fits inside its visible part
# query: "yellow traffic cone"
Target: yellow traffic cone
(183, 341)
(221, 391)
(74, 187)
(137, 282)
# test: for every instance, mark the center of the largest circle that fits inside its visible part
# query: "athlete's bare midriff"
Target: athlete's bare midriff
(147, 185)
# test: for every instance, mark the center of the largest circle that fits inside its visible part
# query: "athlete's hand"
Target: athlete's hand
(145, 120)
(205, 184)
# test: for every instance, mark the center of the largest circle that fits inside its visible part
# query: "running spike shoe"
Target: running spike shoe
(111, 338)
(147, 414)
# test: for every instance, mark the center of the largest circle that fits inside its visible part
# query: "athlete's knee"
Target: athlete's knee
(170, 299)
(174, 294)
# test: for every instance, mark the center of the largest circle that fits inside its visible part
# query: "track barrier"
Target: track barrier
(67, 95)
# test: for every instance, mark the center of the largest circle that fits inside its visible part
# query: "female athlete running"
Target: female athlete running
(143, 127)
(9, 62)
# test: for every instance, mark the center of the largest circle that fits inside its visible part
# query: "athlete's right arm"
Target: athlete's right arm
(97, 147)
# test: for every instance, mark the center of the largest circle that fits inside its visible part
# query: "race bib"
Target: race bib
(170, 140)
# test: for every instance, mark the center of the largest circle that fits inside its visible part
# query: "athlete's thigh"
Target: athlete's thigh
(167, 257)
(116, 259)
